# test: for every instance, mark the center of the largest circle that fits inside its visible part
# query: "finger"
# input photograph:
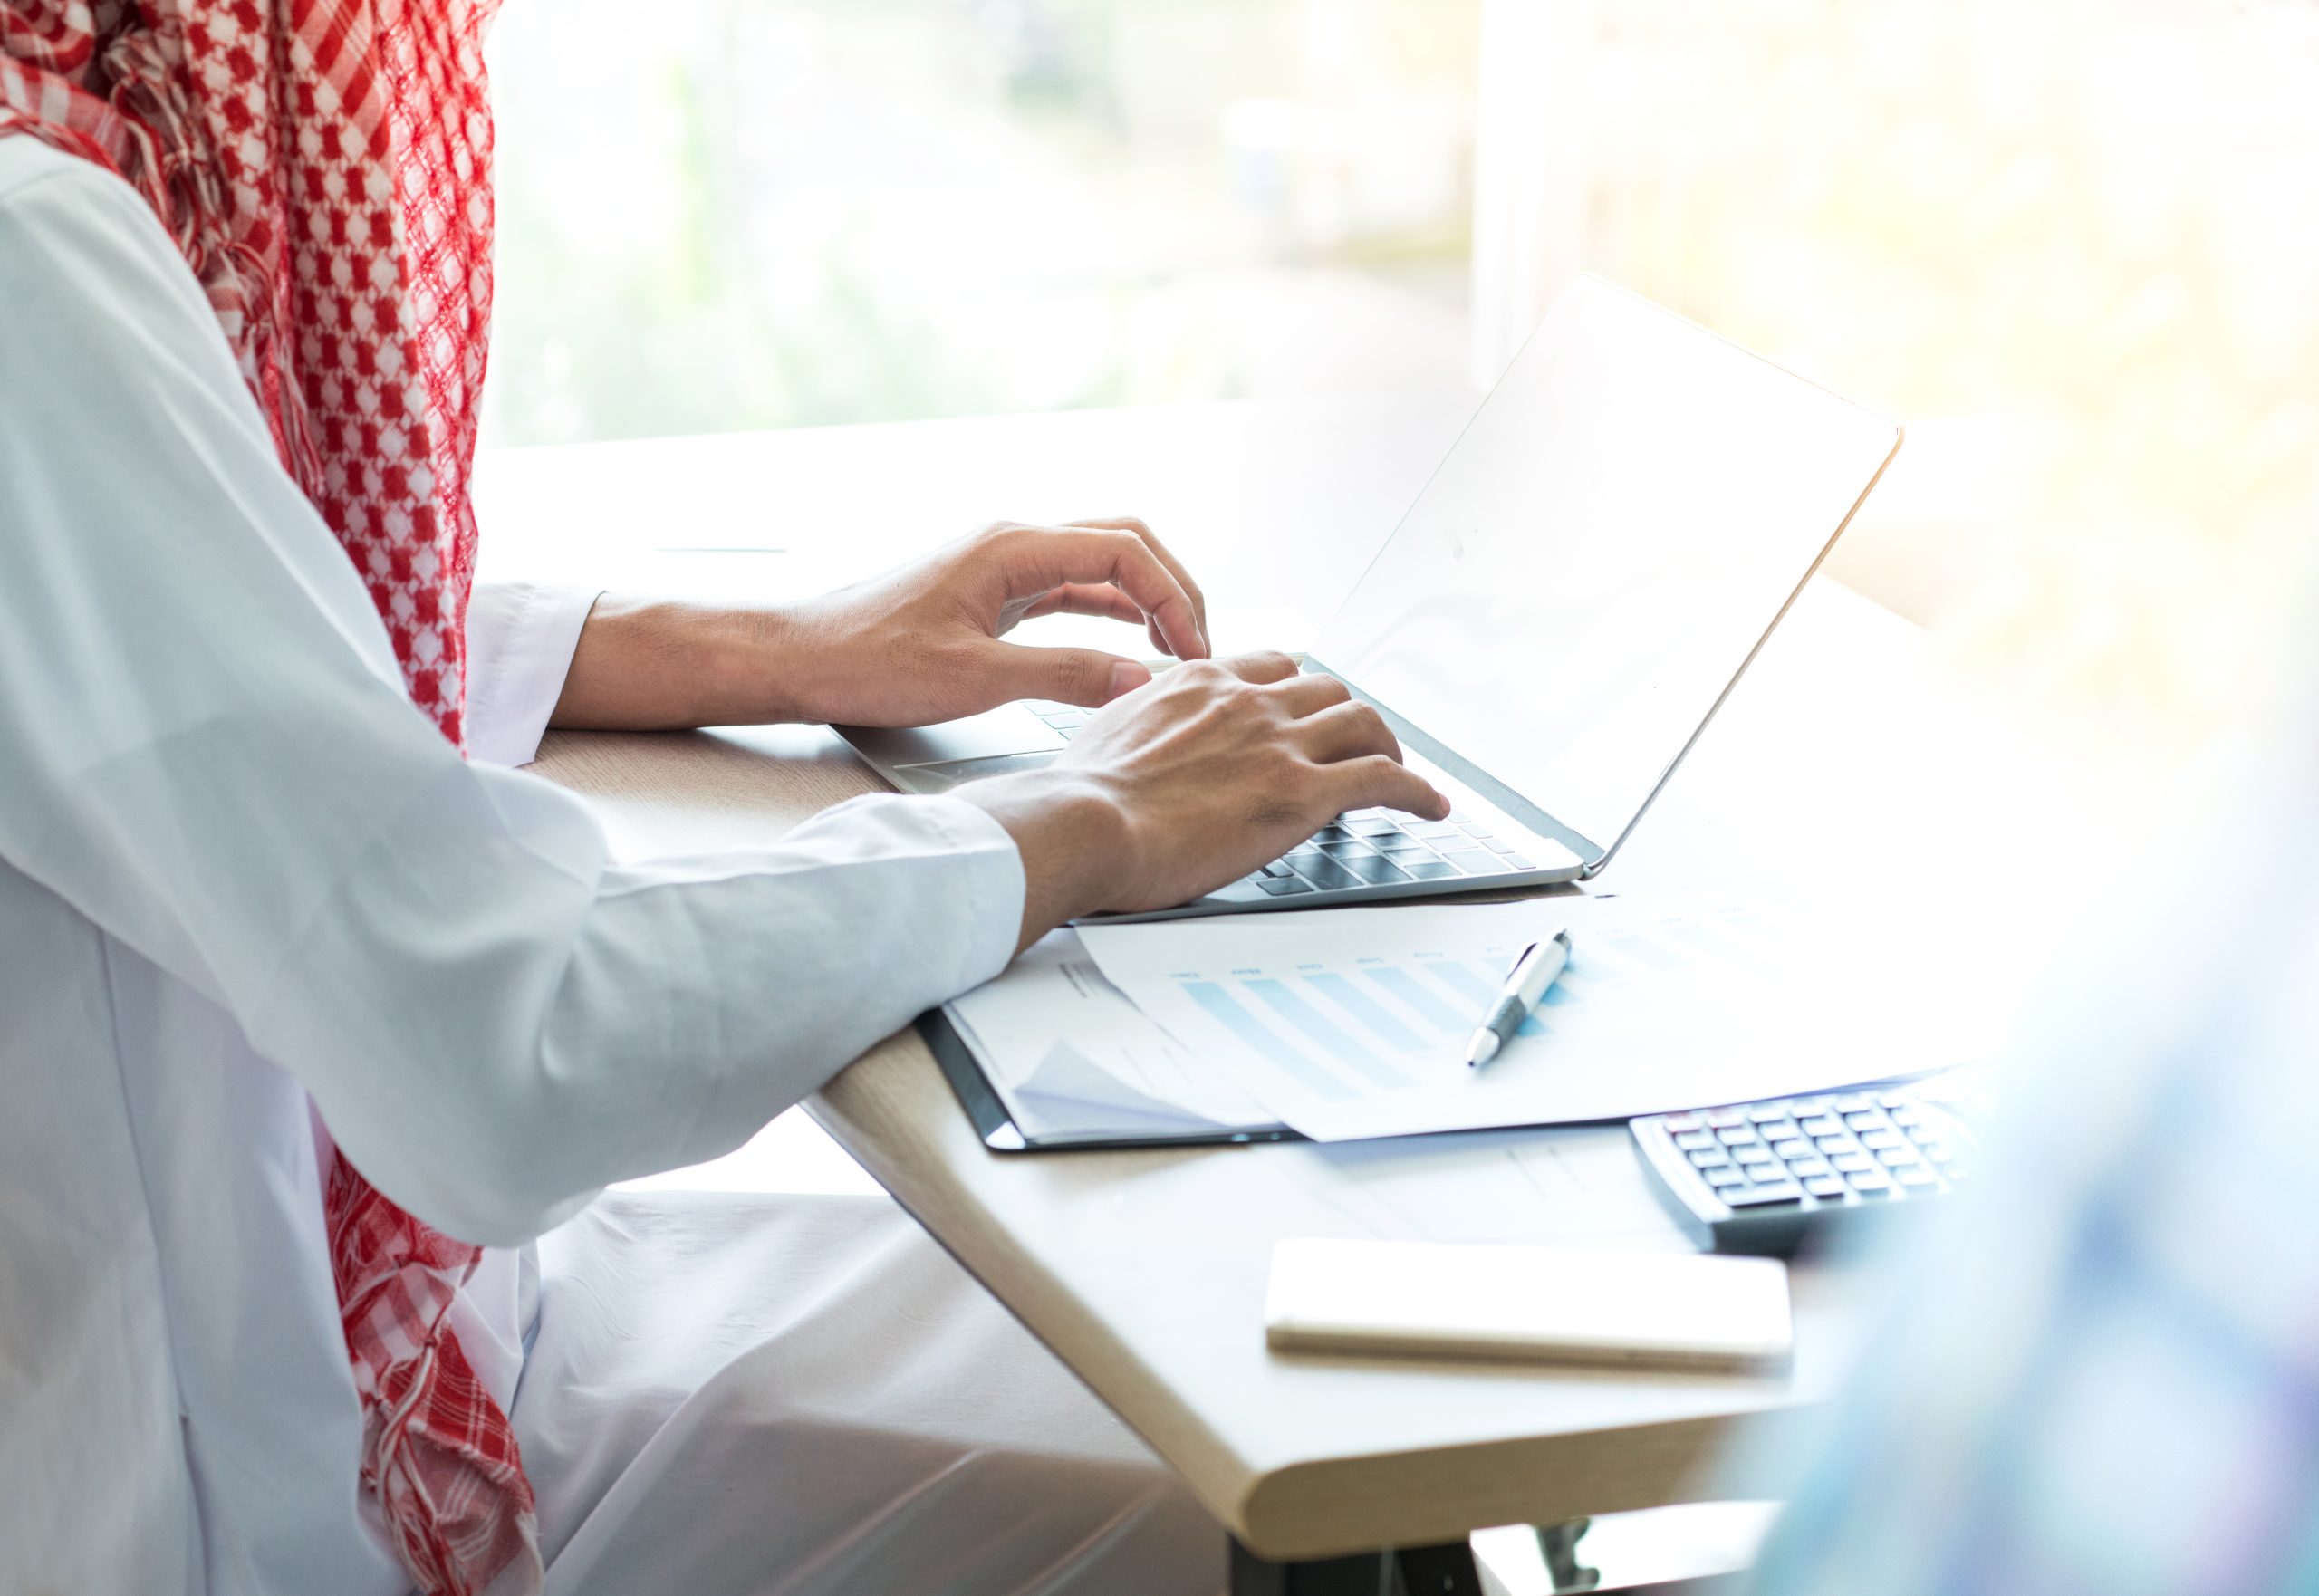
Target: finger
(1379, 779)
(1051, 556)
(1166, 557)
(1262, 667)
(1310, 693)
(1346, 731)
(1081, 597)
(1086, 677)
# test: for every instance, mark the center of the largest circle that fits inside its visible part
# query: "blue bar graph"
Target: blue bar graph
(1415, 995)
(1367, 1010)
(1223, 1007)
(1482, 988)
(1334, 1042)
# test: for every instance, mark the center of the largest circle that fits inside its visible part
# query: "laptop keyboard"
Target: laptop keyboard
(1368, 847)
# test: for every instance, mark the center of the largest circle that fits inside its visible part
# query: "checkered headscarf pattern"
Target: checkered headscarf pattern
(323, 166)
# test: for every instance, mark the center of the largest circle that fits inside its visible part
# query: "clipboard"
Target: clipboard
(987, 1113)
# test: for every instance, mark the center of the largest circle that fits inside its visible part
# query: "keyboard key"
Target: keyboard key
(1476, 861)
(1733, 1135)
(1852, 1102)
(1688, 1140)
(1855, 1164)
(1762, 1197)
(1865, 1181)
(1376, 869)
(1432, 828)
(1515, 861)
(1276, 868)
(1880, 1140)
(1350, 849)
(1280, 887)
(1709, 1157)
(1372, 828)
(1400, 843)
(1680, 1122)
(1905, 1116)
(1499, 846)
(1868, 1119)
(1719, 1118)
(1805, 1168)
(1826, 1187)
(1821, 1125)
(1296, 857)
(1428, 869)
(1721, 1177)
(1837, 1144)
(1753, 1155)
(1765, 1113)
(1326, 874)
(1894, 1156)
(1791, 1148)
(1472, 828)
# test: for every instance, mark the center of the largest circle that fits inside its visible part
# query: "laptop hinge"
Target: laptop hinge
(1474, 776)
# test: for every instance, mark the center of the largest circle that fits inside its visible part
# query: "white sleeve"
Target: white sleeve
(520, 639)
(205, 749)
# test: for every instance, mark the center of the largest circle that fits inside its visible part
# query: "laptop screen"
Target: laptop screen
(1620, 526)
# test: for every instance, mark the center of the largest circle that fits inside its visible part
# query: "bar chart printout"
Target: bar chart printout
(1353, 1022)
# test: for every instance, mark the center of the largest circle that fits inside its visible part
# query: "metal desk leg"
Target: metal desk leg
(1413, 1570)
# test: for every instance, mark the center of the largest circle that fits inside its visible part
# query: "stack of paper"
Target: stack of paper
(1353, 1023)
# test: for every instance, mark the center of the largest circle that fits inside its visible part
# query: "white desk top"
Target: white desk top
(1845, 750)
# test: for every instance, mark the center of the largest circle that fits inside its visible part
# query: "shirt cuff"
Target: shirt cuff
(520, 639)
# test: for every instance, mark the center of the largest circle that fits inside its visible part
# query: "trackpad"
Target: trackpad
(941, 778)
(1008, 729)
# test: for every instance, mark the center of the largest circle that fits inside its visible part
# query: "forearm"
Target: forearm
(657, 664)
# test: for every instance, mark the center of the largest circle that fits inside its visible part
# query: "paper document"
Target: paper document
(1071, 1057)
(1353, 1023)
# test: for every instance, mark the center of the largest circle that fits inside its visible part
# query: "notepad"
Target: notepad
(1559, 1304)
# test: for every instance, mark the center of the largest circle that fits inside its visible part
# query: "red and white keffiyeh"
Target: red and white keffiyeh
(324, 167)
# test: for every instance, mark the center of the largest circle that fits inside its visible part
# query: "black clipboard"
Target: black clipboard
(987, 1110)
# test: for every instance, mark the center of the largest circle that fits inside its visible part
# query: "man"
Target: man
(308, 1025)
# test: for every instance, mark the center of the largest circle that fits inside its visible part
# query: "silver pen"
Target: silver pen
(1540, 965)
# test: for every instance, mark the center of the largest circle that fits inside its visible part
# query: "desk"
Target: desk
(1846, 750)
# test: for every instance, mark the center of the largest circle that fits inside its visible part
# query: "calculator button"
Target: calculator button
(1915, 1176)
(1923, 1133)
(1809, 1168)
(1855, 1164)
(1722, 1177)
(1821, 1125)
(1777, 1130)
(1762, 1197)
(1864, 1119)
(1882, 1138)
(1766, 1112)
(1852, 1102)
(1893, 1099)
(1793, 1148)
(1866, 1182)
(1811, 1105)
(1826, 1187)
(1754, 1156)
(1691, 1139)
(1683, 1121)
(1896, 1156)
(1709, 1157)
(1718, 1118)
(1737, 1135)
(1838, 1144)
(1905, 1115)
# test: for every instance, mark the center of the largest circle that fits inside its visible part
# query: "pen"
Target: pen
(1540, 963)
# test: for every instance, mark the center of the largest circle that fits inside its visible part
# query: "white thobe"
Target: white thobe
(242, 882)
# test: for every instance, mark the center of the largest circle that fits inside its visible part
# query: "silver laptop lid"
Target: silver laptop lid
(1588, 572)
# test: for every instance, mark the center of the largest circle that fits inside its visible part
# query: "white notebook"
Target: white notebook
(1560, 1305)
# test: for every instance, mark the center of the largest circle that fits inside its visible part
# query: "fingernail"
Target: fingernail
(1126, 677)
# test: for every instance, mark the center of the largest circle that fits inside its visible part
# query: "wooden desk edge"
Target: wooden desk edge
(1322, 1508)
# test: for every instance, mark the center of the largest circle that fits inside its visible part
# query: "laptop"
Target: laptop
(1555, 619)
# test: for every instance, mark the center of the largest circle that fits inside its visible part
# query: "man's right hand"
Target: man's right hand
(1217, 767)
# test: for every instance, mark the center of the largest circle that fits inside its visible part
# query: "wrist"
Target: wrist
(1073, 839)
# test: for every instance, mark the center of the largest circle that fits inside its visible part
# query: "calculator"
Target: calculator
(1784, 1174)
